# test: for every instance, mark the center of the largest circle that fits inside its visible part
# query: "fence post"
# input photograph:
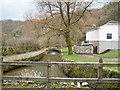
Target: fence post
(1, 60)
(100, 73)
(48, 74)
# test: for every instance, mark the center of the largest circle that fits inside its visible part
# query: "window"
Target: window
(109, 36)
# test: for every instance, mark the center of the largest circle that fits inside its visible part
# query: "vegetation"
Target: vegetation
(17, 50)
(114, 8)
(64, 25)
(77, 58)
(24, 84)
(91, 72)
(41, 85)
(17, 33)
(67, 14)
(110, 54)
(6, 50)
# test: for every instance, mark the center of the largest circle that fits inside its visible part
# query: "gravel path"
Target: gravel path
(95, 57)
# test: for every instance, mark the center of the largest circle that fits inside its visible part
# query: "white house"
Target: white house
(105, 37)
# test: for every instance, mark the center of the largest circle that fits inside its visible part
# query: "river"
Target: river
(38, 70)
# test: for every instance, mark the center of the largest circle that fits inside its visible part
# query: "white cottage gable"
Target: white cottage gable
(105, 37)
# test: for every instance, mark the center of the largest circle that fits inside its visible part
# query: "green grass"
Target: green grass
(65, 49)
(110, 54)
(76, 58)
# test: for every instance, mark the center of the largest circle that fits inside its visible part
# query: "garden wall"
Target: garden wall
(83, 49)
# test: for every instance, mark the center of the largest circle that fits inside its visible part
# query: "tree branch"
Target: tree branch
(82, 13)
(73, 10)
(61, 13)
(68, 12)
(52, 36)
(52, 28)
(50, 9)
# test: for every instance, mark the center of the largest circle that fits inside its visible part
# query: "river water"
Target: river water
(37, 70)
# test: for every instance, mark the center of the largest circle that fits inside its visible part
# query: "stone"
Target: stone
(5, 83)
(83, 49)
(78, 85)
(9, 81)
(30, 82)
(65, 83)
(5, 80)
(72, 83)
(84, 84)
(35, 85)
(16, 84)
(61, 83)
(17, 81)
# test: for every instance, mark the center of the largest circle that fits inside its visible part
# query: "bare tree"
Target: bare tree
(62, 16)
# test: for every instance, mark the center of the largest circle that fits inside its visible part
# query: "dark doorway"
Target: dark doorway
(95, 50)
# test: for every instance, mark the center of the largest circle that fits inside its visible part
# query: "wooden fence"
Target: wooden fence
(100, 80)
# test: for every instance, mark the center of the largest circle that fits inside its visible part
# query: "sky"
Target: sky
(15, 9)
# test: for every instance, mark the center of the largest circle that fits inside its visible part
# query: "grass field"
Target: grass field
(76, 58)
(110, 54)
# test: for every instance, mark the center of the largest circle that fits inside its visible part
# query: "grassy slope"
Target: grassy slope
(77, 58)
(113, 53)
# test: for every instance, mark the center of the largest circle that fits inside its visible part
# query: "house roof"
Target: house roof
(113, 22)
(110, 22)
(92, 29)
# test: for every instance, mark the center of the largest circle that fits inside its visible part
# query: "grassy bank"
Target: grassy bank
(110, 54)
(76, 58)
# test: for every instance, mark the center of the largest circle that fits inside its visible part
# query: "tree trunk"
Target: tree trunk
(68, 42)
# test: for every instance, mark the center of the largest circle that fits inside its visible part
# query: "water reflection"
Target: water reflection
(36, 71)
(28, 71)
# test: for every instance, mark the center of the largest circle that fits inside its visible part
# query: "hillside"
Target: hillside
(33, 32)
(10, 25)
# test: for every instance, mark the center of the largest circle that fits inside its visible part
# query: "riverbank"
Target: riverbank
(9, 50)
(35, 71)
(73, 71)
(31, 56)
(91, 72)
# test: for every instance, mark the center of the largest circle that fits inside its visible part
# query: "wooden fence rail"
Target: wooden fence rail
(83, 64)
(55, 79)
(49, 79)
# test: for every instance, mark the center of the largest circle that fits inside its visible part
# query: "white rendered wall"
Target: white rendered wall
(92, 35)
(104, 45)
(100, 35)
(111, 28)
